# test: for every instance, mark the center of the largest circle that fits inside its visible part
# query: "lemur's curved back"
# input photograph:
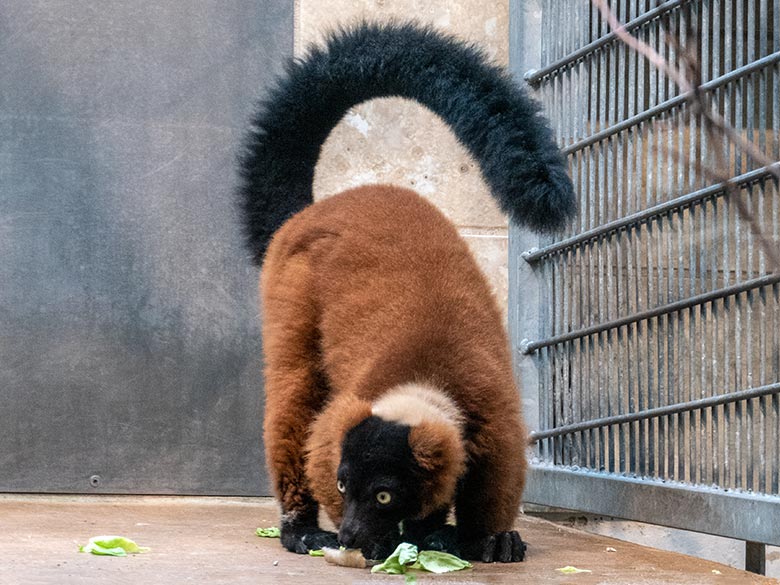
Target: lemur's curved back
(490, 115)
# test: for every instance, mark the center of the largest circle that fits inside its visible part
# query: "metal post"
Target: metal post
(755, 557)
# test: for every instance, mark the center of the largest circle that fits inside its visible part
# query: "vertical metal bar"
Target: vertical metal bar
(572, 383)
(647, 174)
(642, 356)
(556, 397)
(592, 435)
(595, 123)
(660, 352)
(621, 349)
(775, 410)
(713, 351)
(566, 382)
(737, 316)
(584, 157)
(673, 363)
(598, 387)
(729, 474)
(620, 144)
(612, 381)
(701, 421)
(776, 89)
(753, 434)
(581, 382)
(716, 434)
(652, 332)
(763, 457)
(595, 156)
(730, 48)
(526, 315)
(668, 169)
(632, 352)
(729, 463)
(607, 197)
(763, 88)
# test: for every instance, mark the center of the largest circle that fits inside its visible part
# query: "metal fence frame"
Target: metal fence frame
(753, 517)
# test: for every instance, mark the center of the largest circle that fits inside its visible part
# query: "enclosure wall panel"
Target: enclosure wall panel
(130, 357)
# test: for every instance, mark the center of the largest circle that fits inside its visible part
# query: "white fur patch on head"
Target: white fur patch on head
(413, 403)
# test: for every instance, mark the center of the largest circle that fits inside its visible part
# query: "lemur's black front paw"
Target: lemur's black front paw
(444, 539)
(502, 547)
(382, 548)
(302, 539)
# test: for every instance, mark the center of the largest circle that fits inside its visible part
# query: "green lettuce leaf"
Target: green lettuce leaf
(406, 556)
(114, 546)
(440, 562)
(395, 564)
(569, 570)
(270, 532)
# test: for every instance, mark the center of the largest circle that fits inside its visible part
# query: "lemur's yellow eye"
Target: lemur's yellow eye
(340, 486)
(383, 497)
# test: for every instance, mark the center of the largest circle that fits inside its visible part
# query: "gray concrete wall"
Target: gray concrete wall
(129, 343)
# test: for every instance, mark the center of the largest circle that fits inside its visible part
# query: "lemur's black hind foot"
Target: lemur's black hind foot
(501, 547)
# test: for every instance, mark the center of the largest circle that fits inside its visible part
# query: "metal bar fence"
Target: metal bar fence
(647, 335)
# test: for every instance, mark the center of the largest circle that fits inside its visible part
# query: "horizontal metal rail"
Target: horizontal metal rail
(527, 346)
(729, 513)
(536, 254)
(659, 411)
(535, 77)
(672, 103)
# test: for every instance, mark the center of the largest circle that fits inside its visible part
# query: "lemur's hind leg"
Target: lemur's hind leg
(295, 391)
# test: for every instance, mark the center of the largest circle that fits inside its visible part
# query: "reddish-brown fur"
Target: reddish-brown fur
(438, 450)
(367, 290)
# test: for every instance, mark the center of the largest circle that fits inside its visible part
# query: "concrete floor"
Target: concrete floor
(211, 540)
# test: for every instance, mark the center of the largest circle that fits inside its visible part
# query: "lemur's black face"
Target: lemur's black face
(379, 480)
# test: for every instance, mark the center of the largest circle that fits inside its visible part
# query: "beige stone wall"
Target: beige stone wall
(397, 141)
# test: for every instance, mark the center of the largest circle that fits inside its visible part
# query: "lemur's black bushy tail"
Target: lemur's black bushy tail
(493, 118)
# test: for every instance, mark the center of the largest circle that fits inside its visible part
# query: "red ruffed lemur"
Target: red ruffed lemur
(390, 397)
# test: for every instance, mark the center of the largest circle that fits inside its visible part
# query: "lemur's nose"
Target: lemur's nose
(347, 537)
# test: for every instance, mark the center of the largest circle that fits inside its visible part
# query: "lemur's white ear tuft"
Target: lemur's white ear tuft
(410, 404)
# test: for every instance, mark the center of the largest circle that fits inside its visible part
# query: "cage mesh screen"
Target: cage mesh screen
(660, 350)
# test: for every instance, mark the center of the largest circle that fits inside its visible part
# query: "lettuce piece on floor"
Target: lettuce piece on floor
(270, 532)
(113, 546)
(406, 557)
(316, 553)
(440, 562)
(569, 570)
(395, 564)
